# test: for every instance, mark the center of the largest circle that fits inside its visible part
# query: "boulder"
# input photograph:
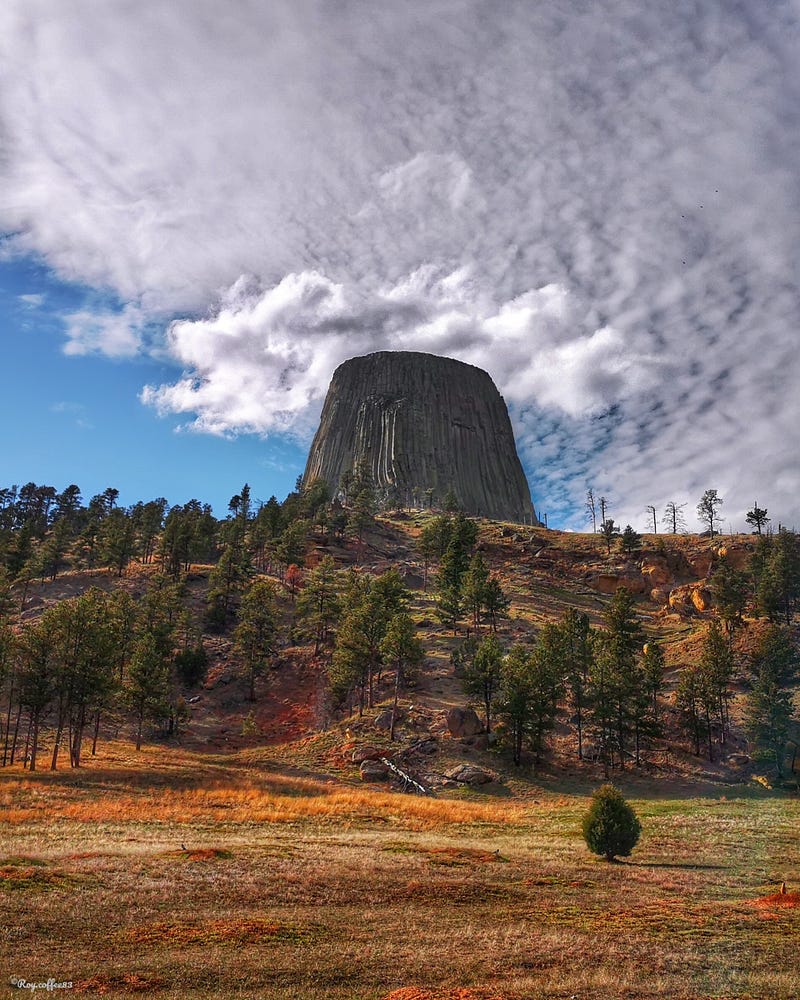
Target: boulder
(689, 598)
(383, 720)
(360, 754)
(467, 774)
(463, 722)
(739, 759)
(702, 599)
(373, 770)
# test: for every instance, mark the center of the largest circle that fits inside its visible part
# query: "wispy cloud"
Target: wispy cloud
(595, 202)
(76, 412)
(117, 334)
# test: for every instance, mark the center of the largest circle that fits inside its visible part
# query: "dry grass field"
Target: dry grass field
(170, 874)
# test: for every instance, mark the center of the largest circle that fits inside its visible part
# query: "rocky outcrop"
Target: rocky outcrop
(463, 722)
(467, 774)
(421, 422)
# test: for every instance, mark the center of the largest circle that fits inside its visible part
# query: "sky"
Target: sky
(206, 207)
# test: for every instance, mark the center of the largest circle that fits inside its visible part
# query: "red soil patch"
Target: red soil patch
(459, 993)
(129, 984)
(786, 900)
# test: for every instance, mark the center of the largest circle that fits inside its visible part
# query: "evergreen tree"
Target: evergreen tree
(757, 517)
(623, 640)
(578, 658)
(631, 540)
(528, 699)
(716, 667)
(708, 509)
(147, 684)
(256, 631)
(731, 589)
(318, 605)
(401, 647)
(473, 589)
(777, 565)
(226, 582)
(362, 506)
(609, 531)
(482, 673)
(610, 827)
(115, 540)
(35, 682)
(495, 602)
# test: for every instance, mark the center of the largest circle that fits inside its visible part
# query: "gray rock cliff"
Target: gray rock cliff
(422, 422)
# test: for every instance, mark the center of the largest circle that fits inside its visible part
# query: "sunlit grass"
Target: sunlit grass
(196, 876)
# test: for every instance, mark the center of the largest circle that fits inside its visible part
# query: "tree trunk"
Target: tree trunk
(394, 703)
(7, 736)
(77, 738)
(96, 731)
(16, 734)
(34, 742)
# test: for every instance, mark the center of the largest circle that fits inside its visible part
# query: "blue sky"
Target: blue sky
(78, 419)
(209, 207)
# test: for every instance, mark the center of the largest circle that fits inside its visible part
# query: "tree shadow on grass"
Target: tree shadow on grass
(683, 866)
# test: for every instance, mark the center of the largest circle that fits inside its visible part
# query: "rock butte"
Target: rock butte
(422, 422)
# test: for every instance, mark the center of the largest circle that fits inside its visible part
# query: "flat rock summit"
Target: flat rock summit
(420, 422)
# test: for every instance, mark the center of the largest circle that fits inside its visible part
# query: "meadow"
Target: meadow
(172, 874)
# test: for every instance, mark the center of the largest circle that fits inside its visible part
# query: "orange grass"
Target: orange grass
(416, 993)
(275, 799)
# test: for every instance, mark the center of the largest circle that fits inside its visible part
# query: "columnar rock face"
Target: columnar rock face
(422, 422)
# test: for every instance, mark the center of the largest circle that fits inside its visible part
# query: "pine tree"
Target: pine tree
(731, 589)
(318, 605)
(482, 672)
(610, 827)
(495, 602)
(256, 631)
(473, 589)
(631, 540)
(578, 658)
(401, 647)
(757, 517)
(609, 531)
(707, 509)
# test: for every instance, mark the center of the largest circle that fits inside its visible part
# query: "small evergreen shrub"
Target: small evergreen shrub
(191, 666)
(610, 827)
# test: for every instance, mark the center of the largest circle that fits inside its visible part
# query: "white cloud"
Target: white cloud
(595, 202)
(115, 334)
(263, 361)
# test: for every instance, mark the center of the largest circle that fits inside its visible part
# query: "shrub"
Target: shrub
(610, 827)
(191, 666)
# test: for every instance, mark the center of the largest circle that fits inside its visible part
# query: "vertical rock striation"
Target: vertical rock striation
(422, 422)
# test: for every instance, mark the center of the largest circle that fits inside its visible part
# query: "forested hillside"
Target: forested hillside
(437, 636)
